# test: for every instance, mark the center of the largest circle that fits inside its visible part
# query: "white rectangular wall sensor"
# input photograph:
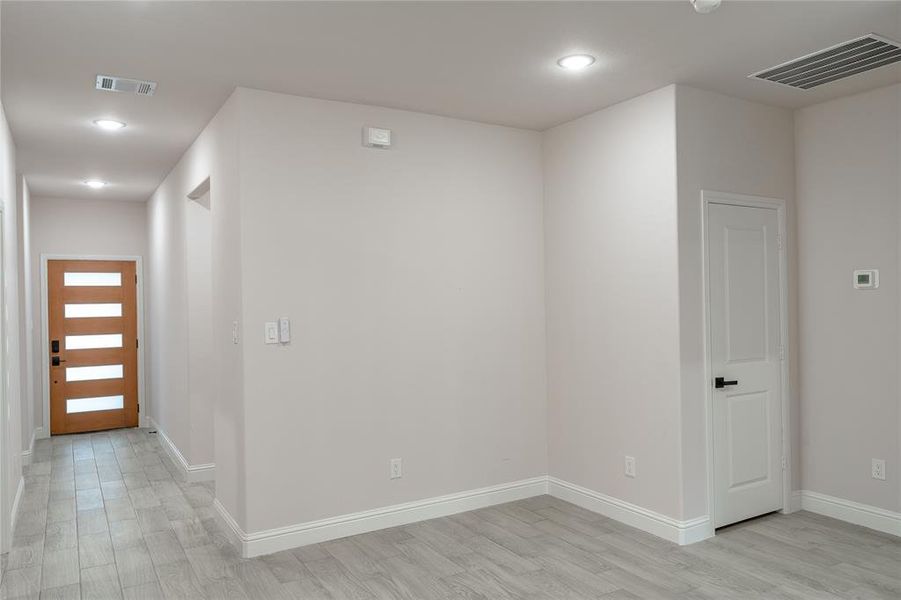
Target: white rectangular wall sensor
(373, 137)
(866, 279)
(284, 330)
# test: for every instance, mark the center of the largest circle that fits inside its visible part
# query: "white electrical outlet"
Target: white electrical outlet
(630, 466)
(879, 469)
(396, 468)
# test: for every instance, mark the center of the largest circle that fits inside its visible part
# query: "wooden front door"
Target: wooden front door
(93, 316)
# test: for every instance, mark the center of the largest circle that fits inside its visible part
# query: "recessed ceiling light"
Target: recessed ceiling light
(109, 124)
(576, 62)
(94, 183)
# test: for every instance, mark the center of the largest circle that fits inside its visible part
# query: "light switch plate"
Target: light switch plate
(271, 332)
(284, 330)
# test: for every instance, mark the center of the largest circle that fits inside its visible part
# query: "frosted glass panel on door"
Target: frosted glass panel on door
(80, 311)
(90, 342)
(93, 373)
(92, 279)
(80, 405)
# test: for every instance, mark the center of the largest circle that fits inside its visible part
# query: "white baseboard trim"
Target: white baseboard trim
(293, 536)
(880, 519)
(795, 502)
(235, 534)
(678, 531)
(668, 528)
(193, 473)
(259, 543)
(26, 454)
(15, 507)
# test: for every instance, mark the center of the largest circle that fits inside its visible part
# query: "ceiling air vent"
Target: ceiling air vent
(137, 87)
(837, 62)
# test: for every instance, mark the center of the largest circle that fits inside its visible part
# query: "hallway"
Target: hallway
(105, 516)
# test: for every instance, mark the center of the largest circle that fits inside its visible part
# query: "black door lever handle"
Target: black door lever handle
(720, 382)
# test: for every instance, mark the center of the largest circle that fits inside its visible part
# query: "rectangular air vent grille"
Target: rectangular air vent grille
(844, 60)
(110, 83)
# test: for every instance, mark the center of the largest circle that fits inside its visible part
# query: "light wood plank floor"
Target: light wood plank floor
(105, 516)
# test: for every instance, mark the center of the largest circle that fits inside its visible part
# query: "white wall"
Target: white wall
(624, 283)
(728, 145)
(414, 280)
(30, 419)
(201, 375)
(11, 426)
(848, 158)
(212, 156)
(103, 227)
(613, 301)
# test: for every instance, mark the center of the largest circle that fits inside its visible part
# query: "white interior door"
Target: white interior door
(746, 355)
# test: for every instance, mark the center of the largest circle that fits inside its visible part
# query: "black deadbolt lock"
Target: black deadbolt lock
(54, 346)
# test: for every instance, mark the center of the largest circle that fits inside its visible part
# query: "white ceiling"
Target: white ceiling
(488, 61)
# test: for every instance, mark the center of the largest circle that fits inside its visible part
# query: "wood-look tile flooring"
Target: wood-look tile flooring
(105, 516)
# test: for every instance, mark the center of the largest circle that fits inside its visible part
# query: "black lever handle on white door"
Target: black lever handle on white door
(720, 382)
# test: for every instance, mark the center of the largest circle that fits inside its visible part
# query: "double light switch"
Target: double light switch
(278, 332)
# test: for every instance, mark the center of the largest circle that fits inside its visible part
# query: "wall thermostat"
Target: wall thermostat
(373, 137)
(866, 279)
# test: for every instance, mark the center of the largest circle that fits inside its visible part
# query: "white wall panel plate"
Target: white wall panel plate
(270, 332)
(284, 330)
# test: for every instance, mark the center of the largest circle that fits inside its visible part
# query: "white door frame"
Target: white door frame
(5, 451)
(45, 339)
(709, 197)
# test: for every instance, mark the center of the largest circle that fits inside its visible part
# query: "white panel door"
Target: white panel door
(745, 332)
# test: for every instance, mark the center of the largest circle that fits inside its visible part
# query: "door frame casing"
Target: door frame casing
(709, 197)
(6, 453)
(45, 325)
